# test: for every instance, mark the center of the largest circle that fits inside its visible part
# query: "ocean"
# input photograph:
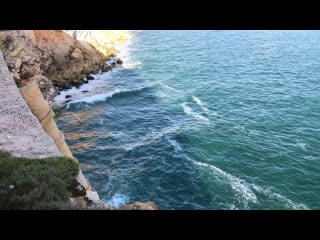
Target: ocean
(203, 120)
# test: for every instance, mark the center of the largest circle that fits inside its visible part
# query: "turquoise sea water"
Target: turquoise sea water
(203, 120)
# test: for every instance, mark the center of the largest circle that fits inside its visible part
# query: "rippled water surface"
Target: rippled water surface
(203, 120)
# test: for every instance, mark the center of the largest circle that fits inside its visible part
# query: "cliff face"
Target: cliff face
(20, 132)
(103, 40)
(51, 58)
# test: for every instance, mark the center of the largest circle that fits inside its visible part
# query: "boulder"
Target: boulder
(93, 196)
(90, 77)
(106, 67)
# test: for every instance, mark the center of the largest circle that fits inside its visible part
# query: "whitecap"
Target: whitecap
(96, 98)
(103, 96)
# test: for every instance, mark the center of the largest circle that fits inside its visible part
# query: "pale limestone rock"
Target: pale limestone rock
(93, 196)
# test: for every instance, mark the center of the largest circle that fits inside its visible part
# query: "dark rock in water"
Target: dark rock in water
(84, 91)
(68, 96)
(113, 63)
(90, 77)
(69, 100)
(85, 81)
(119, 61)
(106, 68)
(65, 85)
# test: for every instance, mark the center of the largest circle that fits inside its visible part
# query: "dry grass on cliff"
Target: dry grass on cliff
(36, 183)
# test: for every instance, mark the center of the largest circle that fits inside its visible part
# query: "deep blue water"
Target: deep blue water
(203, 120)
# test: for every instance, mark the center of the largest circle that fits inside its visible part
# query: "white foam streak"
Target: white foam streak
(168, 87)
(200, 103)
(240, 186)
(97, 97)
(245, 189)
(147, 139)
(197, 100)
(288, 203)
(189, 111)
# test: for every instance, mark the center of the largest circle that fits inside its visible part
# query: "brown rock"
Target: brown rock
(77, 54)
(140, 206)
(79, 203)
(52, 54)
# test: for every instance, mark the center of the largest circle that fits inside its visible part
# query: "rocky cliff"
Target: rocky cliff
(51, 58)
(102, 40)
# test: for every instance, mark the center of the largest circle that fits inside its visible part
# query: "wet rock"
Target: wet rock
(84, 91)
(106, 68)
(68, 96)
(90, 77)
(119, 61)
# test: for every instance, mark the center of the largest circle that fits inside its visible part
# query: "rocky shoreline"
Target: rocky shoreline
(54, 60)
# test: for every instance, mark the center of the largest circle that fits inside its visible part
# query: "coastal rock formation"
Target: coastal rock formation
(20, 132)
(140, 206)
(102, 40)
(51, 58)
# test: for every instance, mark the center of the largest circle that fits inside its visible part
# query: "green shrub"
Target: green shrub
(36, 183)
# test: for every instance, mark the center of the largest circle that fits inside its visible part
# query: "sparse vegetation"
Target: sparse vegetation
(36, 183)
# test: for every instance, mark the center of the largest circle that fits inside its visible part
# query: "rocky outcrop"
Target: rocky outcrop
(140, 206)
(50, 58)
(20, 132)
(102, 40)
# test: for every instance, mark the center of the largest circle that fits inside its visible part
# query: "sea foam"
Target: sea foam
(189, 111)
